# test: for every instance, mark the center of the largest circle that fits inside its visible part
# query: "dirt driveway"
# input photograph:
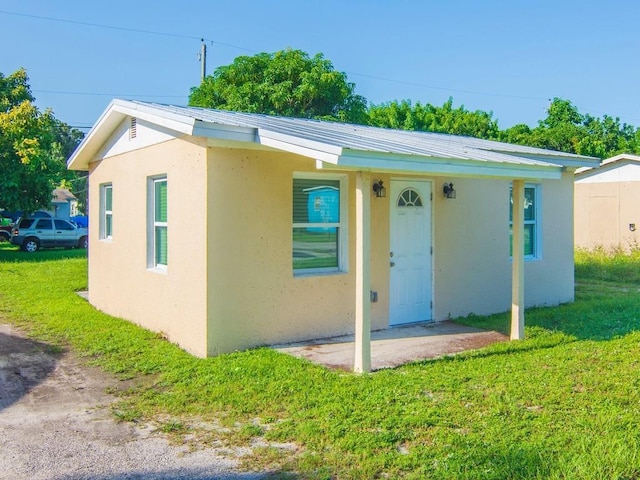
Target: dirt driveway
(55, 424)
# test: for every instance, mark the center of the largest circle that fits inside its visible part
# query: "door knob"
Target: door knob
(392, 264)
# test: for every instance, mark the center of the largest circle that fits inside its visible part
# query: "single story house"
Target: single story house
(607, 204)
(64, 204)
(228, 230)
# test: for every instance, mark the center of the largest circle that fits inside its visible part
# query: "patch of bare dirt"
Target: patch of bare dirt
(55, 423)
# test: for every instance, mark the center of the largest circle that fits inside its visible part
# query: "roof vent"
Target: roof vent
(133, 128)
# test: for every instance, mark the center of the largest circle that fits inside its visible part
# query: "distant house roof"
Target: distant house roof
(609, 163)
(337, 145)
(62, 195)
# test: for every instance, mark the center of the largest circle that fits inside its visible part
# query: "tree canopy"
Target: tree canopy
(34, 147)
(288, 82)
(427, 117)
(567, 130)
(291, 83)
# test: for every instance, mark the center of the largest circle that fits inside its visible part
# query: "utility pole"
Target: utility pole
(203, 59)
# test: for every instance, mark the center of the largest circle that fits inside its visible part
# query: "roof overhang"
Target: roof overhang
(412, 164)
(467, 160)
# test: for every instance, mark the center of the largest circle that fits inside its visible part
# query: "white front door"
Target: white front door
(410, 255)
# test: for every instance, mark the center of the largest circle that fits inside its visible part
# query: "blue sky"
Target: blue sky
(510, 58)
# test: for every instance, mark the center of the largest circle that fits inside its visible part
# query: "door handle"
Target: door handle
(392, 264)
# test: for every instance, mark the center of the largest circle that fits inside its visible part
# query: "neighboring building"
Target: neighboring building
(607, 204)
(228, 230)
(64, 204)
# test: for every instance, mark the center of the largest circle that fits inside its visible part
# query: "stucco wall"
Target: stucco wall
(255, 299)
(230, 283)
(472, 267)
(604, 212)
(120, 283)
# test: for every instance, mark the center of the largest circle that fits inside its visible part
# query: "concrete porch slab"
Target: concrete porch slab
(395, 346)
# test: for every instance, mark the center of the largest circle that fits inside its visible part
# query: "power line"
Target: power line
(191, 37)
(203, 39)
(126, 29)
(64, 92)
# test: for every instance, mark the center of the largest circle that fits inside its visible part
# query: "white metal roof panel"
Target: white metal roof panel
(340, 143)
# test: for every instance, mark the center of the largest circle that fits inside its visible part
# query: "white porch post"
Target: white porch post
(363, 273)
(517, 274)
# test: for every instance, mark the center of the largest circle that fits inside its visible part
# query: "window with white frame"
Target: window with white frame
(532, 247)
(319, 223)
(106, 211)
(157, 234)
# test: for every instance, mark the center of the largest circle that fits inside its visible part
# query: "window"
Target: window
(409, 198)
(106, 211)
(44, 224)
(157, 234)
(63, 225)
(319, 223)
(531, 221)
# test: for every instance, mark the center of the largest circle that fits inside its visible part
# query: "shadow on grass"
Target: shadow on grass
(24, 363)
(12, 254)
(599, 313)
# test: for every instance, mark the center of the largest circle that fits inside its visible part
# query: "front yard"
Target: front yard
(564, 403)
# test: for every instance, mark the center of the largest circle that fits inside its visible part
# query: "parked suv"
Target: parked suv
(31, 234)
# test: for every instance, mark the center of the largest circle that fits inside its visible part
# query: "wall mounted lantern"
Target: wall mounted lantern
(379, 190)
(448, 190)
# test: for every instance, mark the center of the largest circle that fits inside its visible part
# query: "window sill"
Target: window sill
(325, 273)
(158, 269)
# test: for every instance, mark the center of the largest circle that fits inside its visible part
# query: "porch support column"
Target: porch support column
(517, 275)
(362, 361)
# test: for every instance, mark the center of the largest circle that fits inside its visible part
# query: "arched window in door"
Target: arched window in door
(409, 198)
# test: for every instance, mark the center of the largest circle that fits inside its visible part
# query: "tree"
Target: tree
(427, 117)
(567, 130)
(288, 83)
(34, 147)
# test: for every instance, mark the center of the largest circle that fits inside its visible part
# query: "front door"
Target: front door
(410, 255)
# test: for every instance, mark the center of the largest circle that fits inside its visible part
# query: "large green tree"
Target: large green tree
(288, 82)
(566, 129)
(34, 147)
(426, 117)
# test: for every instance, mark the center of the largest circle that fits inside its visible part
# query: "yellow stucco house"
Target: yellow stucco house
(228, 230)
(607, 204)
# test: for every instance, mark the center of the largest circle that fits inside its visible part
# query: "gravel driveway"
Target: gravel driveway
(55, 424)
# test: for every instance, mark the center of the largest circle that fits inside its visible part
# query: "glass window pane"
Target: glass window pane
(316, 201)
(63, 225)
(529, 239)
(108, 228)
(161, 245)
(161, 201)
(108, 196)
(529, 204)
(315, 248)
(45, 224)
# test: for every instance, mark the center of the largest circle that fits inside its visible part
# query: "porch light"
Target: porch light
(379, 190)
(448, 190)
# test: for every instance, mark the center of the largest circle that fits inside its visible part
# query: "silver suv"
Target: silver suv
(31, 234)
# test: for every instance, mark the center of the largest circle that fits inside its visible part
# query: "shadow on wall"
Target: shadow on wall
(24, 364)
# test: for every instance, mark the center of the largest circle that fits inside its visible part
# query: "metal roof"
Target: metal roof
(347, 145)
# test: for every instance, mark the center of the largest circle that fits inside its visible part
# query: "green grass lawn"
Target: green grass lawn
(564, 403)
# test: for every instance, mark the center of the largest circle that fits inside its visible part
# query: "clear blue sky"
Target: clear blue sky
(508, 57)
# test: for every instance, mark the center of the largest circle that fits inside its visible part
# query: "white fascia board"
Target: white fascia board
(301, 146)
(224, 132)
(173, 121)
(448, 166)
(565, 161)
(111, 119)
(93, 141)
